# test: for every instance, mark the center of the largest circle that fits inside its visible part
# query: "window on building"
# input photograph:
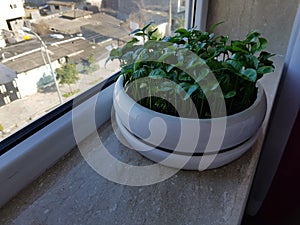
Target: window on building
(180, 5)
(56, 7)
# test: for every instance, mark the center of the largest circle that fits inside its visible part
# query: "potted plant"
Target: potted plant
(191, 100)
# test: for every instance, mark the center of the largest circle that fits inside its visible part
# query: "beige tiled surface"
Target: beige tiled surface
(73, 193)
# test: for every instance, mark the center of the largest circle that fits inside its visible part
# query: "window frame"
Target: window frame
(25, 132)
(22, 154)
(39, 145)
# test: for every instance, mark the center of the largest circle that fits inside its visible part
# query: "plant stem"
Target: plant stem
(232, 99)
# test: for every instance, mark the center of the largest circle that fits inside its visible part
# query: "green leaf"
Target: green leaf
(139, 34)
(191, 90)
(263, 43)
(252, 61)
(253, 36)
(260, 45)
(169, 68)
(239, 49)
(138, 55)
(182, 86)
(224, 39)
(150, 33)
(237, 56)
(148, 25)
(139, 73)
(203, 73)
(157, 74)
(128, 57)
(249, 74)
(265, 69)
(135, 31)
(164, 56)
(230, 94)
(239, 46)
(127, 69)
(214, 86)
(114, 53)
(236, 65)
(181, 31)
(264, 56)
(184, 77)
(194, 63)
(133, 40)
(213, 27)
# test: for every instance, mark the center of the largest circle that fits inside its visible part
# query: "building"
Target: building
(12, 12)
(60, 6)
(98, 31)
(31, 68)
(96, 3)
(11, 20)
(98, 24)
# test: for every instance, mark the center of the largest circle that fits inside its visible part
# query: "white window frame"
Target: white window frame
(196, 14)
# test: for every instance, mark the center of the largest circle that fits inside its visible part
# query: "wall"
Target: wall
(27, 81)
(61, 8)
(97, 3)
(274, 18)
(10, 9)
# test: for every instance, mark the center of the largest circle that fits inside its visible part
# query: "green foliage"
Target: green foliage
(91, 59)
(236, 64)
(1, 127)
(71, 93)
(90, 65)
(67, 74)
(179, 23)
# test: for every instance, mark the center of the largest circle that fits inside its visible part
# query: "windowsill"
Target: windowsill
(72, 193)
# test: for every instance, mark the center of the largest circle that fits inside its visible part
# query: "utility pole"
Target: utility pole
(28, 30)
(170, 18)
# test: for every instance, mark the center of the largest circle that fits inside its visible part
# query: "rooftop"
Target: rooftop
(27, 56)
(67, 26)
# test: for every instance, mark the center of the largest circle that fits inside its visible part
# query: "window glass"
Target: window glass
(63, 48)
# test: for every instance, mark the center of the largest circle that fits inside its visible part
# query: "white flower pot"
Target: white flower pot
(184, 141)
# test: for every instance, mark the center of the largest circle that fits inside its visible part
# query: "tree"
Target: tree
(68, 74)
(91, 65)
(41, 28)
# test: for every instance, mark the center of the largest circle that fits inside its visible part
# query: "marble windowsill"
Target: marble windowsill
(71, 192)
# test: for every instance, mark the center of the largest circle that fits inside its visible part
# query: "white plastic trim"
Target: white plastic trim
(29, 159)
(201, 14)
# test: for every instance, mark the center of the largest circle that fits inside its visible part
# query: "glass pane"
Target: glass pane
(51, 50)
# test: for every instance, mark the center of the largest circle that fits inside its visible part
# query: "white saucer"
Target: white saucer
(187, 162)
